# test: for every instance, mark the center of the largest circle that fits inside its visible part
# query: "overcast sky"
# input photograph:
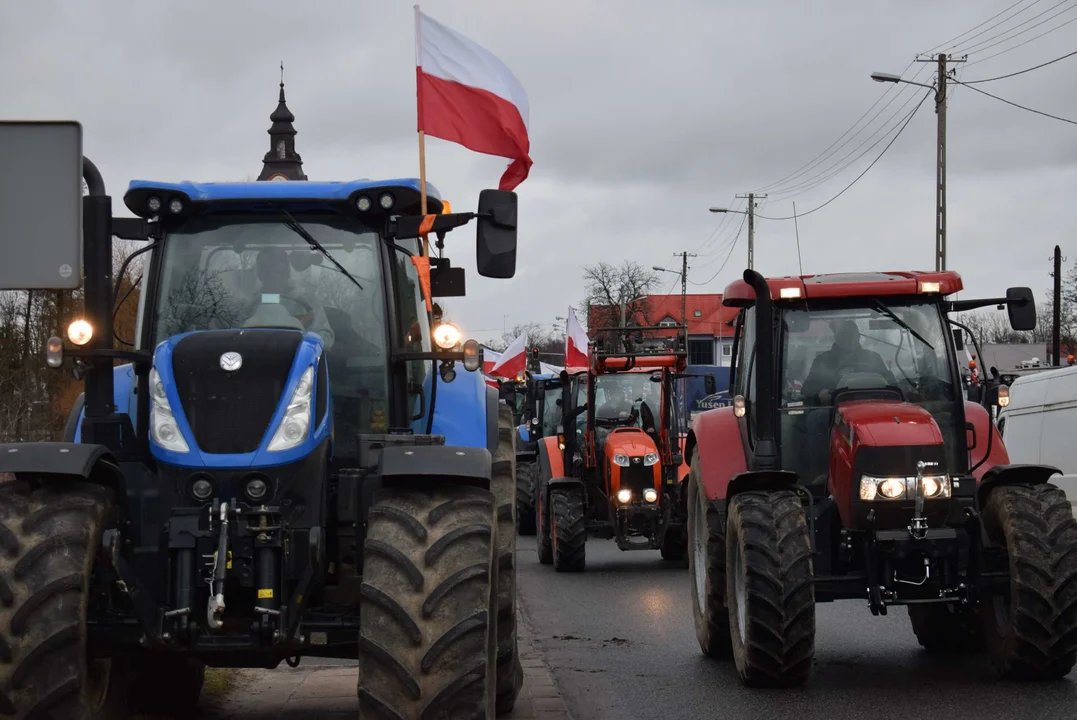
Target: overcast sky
(643, 114)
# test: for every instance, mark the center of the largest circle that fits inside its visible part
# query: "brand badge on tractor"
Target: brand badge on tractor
(231, 361)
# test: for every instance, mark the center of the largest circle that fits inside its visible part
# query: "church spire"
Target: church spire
(282, 162)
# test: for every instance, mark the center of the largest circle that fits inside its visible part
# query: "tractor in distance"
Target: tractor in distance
(289, 465)
(536, 420)
(850, 467)
(613, 470)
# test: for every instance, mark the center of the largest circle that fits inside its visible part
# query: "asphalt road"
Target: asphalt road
(620, 641)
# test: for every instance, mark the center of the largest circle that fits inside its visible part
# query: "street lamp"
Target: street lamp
(750, 212)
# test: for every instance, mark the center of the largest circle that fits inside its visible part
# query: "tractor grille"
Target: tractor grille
(637, 477)
(229, 412)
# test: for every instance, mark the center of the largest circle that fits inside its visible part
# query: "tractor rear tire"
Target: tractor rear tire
(170, 686)
(1031, 632)
(568, 530)
(706, 567)
(510, 673)
(543, 538)
(50, 535)
(675, 547)
(526, 472)
(769, 588)
(428, 613)
(946, 629)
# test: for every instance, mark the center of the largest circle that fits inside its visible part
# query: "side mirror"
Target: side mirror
(496, 234)
(1021, 307)
(710, 385)
(678, 459)
(959, 339)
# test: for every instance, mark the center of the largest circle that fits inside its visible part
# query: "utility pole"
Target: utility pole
(751, 227)
(684, 294)
(1056, 322)
(943, 61)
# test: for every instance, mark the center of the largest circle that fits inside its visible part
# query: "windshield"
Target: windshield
(626, 398)
(235, 271)
(551, 411)
(881, 349)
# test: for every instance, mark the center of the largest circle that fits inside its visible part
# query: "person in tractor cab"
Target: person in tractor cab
(846, 354)
(278, 304)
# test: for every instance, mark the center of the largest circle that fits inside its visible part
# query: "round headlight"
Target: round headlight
(892, 488)
(930, 486)
(447, 336)
(650, 459)
(362, 203)
(386, 201)
(624, 496)
(620, 459)
(201, 488)
(650, 495)
(154, 203)
(448, 372)
(175, 206)
(79, 332)
(256, 488)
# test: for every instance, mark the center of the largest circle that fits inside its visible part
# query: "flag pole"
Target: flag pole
(422, 135)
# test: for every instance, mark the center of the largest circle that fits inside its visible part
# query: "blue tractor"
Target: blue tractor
(289, 463)
(538, 418)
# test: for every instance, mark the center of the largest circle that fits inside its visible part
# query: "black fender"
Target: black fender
(1001, 475)
(563, 482)
(72, 425)
(492, 436)
(760, 480)
(529, 455)
(451, 464)
(57, 461)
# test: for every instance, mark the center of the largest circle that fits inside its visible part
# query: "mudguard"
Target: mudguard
(1002, 475)
(453, 464)
(565, 482)
(716, 434)
(985, 429)
(463, 413)
(123, 394)
(61, 459)
(750, 480)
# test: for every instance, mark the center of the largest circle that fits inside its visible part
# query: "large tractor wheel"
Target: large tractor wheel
(543, 518)
(510, 673)
(428, 616)
(568, 530)
(675, 546)
(946, 628)
(49, 539)
(1031, 631)
(526, 473)
(769, 589)
(706, 567)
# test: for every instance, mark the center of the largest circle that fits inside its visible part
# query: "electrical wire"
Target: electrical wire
(728, 255)
(955, 48)
(972, 51)
(718, 228)
(901, 130)
(953, 41)
(1020, 44)
(1031, 110)
(1019, 72)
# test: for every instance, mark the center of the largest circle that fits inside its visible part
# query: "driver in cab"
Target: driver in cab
(845, 355)
(277, 304)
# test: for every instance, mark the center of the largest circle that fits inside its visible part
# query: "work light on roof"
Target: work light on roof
(362, 203)
(154, 203)
(175, 206)
(789, 293)
(386, 201)
(930, 286)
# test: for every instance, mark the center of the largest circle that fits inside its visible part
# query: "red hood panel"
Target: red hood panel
(889, 423)
(629, 441)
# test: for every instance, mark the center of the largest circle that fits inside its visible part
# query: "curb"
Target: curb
(539, 699)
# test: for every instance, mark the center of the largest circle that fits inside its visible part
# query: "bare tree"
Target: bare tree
(616, 296)
(549, 340)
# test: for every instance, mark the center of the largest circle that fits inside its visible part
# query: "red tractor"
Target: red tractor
(850, 467)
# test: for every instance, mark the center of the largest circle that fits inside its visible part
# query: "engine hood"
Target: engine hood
(886, 424)
(632, 442)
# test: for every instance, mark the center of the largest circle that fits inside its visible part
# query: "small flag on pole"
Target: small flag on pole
(577, 345)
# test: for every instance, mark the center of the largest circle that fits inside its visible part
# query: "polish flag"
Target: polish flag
(467, 96)
(576, 342)
(489, 359)
(513, 360)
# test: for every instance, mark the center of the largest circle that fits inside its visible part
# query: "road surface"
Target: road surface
(621, 643)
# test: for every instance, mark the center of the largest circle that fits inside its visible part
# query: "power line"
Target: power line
(1021, 44)
(951, 42)
(971, 51)
(728, 255)
(721, 223)
(869, 167)
(1008, 102)
(1019, 72)
(989, 29)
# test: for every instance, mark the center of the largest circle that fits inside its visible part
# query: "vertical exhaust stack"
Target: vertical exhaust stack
(766, 445)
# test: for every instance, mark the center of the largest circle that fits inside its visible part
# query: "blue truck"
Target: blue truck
(288, 463)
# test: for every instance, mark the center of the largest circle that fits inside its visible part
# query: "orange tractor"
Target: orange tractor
(615, 469)
(850, 466)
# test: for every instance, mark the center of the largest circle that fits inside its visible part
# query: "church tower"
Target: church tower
(282, 162)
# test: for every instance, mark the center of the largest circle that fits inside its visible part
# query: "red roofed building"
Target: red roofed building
(710, 326)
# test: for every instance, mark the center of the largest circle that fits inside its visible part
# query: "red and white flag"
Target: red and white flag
(467, 96)
(489, 359)
(513, 360)
(577, 345)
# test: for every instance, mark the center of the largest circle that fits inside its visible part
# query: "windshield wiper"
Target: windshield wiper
(901, 323)
(292, 224)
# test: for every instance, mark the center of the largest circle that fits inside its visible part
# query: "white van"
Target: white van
(1039, 425)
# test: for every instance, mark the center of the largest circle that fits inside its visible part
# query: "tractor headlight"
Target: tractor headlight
(79, 332)
(447, 336)
(650, 459)
(295, 425)
(650, 495)
(935, 486)
(620, 459)
(163, 426)
(931, 487)
(624, 496)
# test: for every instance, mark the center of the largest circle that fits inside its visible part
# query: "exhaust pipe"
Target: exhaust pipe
(766, 401)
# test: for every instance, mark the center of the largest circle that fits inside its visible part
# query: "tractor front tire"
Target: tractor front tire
(50, 535)
(675, 547)
(543, 518)
(1031, 631)
(526, 473)
(428, 612)
(945, 629)
(706, 567)
(510, 673)
(769, 589)
(568, 530)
